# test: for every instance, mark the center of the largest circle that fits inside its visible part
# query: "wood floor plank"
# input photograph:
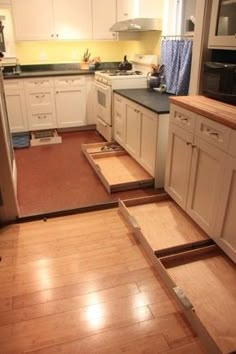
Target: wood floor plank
(81, 284)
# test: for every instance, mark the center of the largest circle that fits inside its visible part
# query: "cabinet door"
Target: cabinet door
(148, 140)
(72, 19)
(119, 119)
(90, 99)
(205, 182)
(33, 19)
(16, 109)
(150, 8)
(132, 129)
(225, 230)
(223, 25)
(127, 9)
(71, 106)
(103, 20)
(178, 164)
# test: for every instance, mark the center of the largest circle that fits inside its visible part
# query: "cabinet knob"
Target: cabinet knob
(188, 143)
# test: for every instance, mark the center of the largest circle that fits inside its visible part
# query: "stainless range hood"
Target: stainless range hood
(138, 25)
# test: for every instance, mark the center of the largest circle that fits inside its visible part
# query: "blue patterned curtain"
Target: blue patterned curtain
(177, 56)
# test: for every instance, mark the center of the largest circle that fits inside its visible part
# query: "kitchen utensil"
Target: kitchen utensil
(153, 81)
(125, 65)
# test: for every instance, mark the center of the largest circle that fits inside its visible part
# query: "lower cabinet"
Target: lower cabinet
(225, 228)
(201, 175)
(46, 103)
(40, 104)
(135, 129)
(70, 107)
(16, 106)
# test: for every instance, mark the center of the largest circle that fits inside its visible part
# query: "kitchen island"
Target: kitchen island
(150, 99)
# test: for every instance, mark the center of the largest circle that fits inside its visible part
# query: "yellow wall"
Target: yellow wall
(69, 52)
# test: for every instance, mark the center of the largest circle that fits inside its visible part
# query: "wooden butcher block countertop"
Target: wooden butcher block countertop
(220, 112)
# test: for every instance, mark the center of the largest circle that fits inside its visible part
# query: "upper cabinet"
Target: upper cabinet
(128, 9)
(33, 19)
(52, 19)
(101, 21)
(223, 24)
(72, 19)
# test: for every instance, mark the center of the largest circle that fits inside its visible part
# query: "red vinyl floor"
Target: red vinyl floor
(58, 177)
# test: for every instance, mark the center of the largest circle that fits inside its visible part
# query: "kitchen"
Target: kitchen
(182, 113)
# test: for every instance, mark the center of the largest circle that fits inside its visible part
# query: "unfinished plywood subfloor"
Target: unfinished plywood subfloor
(121, 168)
(210, 285)
(165, 225)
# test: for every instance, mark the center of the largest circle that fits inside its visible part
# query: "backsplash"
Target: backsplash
(71, 52)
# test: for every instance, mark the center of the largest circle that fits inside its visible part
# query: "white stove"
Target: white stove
(108, 80)
(135, 78)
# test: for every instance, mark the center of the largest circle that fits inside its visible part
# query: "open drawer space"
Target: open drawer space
(115, 167)
(161, 225)
(204, 282)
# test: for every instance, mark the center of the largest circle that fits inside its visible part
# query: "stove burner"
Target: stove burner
(121, 72)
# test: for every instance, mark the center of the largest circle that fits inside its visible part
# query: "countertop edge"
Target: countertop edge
(28, 75)
(224, 114)
(167, 111)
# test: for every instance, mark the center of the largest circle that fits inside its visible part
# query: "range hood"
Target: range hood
(137, 25)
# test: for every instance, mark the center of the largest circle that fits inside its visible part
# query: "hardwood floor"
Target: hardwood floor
(81, 284)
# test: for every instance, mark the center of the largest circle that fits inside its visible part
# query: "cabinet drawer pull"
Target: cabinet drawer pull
(194, 146)
(188, 143)
(214, 134)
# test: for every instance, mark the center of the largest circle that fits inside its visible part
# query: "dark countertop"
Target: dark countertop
(46, 70)
(153, 100)
(47, 73)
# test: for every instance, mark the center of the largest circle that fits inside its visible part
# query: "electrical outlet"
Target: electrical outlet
(43, 56)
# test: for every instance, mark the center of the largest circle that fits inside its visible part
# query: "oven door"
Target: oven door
(103, 102)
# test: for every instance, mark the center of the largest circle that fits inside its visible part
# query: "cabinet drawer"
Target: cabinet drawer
(69, 81)
(183, 118)
(104, 129)
(13, 84)
(40, 98)
(36, 83)
(232, 143)
(214, 133)
(42, 121)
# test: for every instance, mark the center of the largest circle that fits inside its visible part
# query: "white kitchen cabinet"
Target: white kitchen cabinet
(132, 130)
(40, 102)
(129, 9)
(149, 122)
(194, 171)
(178, 164)
(103, 20)
(136, 130)
(16, 106)
(33, 19)
(205, 181)
(119, 119)
(72, 19)
(52, 19)
(90, 100)
(225, 228)
(70, 97)
(223, 25)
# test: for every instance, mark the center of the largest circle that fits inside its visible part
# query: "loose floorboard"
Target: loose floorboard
(58, 177)
(81, 284)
